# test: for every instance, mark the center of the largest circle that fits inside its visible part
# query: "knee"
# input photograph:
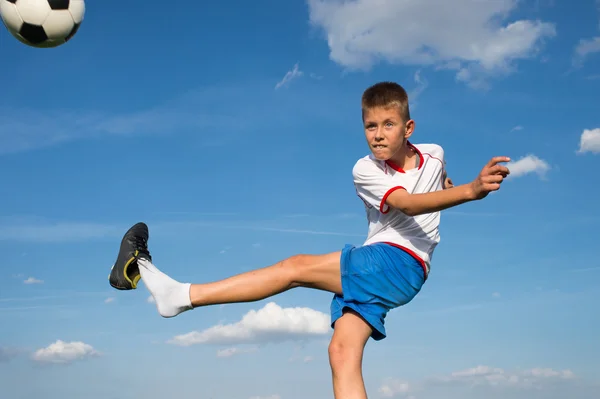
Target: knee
(343, 356)
(294, 265)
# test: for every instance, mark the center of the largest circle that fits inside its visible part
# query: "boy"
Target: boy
(403, 189)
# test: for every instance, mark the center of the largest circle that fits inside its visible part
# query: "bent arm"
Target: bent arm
(418, 204)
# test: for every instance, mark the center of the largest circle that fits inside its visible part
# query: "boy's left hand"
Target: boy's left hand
(448, 183)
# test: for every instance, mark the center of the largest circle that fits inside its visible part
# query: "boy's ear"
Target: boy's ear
(409, 128)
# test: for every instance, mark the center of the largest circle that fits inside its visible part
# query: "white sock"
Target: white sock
(171, 296)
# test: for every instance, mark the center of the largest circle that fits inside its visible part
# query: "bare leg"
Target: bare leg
(312, 271)
(346, 349)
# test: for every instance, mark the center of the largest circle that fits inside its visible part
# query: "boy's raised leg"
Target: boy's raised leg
(346, 349)
(312, 271)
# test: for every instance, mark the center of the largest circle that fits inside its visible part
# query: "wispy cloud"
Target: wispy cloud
(63, 295)
(41, 230)
(516, 128)
(254, 226)
(483, 381)
(197, 112)
(234, 351)
(38, 307)
(586, 46)
(416, 92)
(24, 303)
(25, 129)
(290, 75)
(584, 49)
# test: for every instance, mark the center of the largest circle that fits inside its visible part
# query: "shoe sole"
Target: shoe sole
(132, 283)
(122, 281)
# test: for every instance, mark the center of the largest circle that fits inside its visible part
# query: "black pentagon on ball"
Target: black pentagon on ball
(12, 1)
(70, 35)
(59, 4)
(33, 33)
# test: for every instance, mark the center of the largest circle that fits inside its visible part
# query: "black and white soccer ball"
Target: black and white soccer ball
(42, 23)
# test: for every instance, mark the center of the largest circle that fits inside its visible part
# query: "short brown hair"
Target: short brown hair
(385, 95)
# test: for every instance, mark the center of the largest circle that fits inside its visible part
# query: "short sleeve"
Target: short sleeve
(373, 184)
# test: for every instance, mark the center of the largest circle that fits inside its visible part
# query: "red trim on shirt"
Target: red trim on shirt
(385, 197)
(434, 158)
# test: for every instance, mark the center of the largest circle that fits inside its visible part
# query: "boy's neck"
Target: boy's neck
(406, 158)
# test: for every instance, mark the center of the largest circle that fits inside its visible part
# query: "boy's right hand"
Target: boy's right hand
(490, 178)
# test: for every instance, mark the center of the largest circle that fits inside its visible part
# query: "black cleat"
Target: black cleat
(125, 273)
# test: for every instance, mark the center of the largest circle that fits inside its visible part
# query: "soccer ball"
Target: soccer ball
(42, 23)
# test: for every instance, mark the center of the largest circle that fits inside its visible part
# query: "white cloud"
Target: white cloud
(293, 74)
(272, 323)
(61, 352)
(33, 280)
(266, 397)
(109, 300)
(394, 387)
(228, 352)
(590, 141)
(475, 38)
(528, 164)
(150, 299)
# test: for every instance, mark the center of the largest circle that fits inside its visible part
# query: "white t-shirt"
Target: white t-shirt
(375, 180)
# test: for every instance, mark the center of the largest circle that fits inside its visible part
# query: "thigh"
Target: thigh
(350, 334)
(318, 271)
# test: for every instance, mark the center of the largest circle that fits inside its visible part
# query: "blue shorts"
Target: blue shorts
(375, 279)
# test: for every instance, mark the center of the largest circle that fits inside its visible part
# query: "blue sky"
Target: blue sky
(231, 129)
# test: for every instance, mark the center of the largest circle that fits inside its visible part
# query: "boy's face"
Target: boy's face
(386, 132)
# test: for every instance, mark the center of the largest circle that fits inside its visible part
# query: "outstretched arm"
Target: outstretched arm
(489, 179)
